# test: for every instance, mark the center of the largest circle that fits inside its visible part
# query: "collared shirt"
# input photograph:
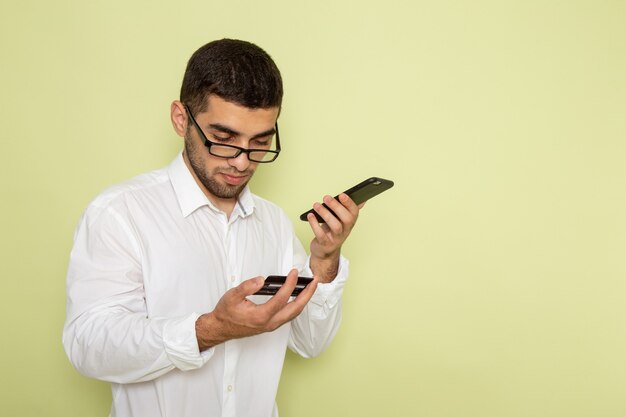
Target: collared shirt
(153, 254)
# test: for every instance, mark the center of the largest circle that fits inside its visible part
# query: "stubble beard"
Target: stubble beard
(207, 178)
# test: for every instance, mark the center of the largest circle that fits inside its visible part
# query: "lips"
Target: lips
(234, 179)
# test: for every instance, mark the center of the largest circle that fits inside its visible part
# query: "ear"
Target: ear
(178, 115)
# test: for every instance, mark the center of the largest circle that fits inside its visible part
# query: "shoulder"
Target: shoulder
(115, 198)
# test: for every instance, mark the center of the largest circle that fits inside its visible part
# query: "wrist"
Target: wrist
(208, 331)
(325, 256)
(325, 268)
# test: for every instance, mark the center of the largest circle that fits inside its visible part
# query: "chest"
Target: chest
(190, 262)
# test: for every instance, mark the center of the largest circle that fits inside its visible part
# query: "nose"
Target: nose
(241, 162)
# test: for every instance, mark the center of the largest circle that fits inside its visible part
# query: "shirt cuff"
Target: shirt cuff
(328, 295)
(181, 344)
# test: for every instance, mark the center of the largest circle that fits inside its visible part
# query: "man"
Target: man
(162, 275)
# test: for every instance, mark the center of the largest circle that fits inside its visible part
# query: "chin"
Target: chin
(225, 191)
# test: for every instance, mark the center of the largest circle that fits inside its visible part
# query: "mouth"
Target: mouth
(234, 179)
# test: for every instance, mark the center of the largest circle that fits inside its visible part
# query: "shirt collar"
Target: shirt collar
(190, 197)
(245, 203)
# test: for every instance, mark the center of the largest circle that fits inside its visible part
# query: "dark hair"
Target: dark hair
(235, 70)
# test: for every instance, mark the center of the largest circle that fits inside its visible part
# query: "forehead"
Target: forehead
(237, 117)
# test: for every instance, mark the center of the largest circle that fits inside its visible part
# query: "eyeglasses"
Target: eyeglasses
(231, 151)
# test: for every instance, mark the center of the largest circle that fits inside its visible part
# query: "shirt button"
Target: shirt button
(232, 278)
(230, 388)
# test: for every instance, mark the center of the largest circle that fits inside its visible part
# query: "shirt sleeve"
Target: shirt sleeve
(314, 329)
(108, 333)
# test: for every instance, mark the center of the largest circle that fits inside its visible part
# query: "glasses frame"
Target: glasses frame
(240, 150)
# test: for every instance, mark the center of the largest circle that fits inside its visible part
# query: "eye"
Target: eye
(262, 143)
(221, 138)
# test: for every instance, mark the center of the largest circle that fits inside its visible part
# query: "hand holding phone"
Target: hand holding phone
(360, 193)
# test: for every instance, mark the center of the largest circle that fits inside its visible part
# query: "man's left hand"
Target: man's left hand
(326, 246)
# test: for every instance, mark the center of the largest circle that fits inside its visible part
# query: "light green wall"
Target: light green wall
(490, 282)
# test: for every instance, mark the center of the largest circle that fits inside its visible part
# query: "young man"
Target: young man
(162, 275)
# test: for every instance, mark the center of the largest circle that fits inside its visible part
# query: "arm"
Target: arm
(330, 236)
(108, 333)
(316, 327)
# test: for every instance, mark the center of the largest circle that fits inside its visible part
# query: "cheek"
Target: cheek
(196, 159)
(200, 156)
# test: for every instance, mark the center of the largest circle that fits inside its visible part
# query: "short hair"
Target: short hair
(235, 70)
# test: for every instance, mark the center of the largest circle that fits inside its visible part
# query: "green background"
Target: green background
(489, 282)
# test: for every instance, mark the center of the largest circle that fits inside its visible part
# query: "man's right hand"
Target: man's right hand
(235, 316)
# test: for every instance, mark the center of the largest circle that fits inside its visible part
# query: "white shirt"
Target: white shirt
(153, 254)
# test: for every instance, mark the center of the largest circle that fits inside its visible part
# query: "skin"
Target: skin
(222, 180)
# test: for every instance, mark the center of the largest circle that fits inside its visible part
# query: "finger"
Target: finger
(289, 285)
(308, 291)
(349, 204)
(281, 297)
(294, 308)
(249, 287)
(344, 208)
(316, 227)
(330, 219)
(351, 211)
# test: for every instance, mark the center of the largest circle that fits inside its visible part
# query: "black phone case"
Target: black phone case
(273, 283)
(360, 193)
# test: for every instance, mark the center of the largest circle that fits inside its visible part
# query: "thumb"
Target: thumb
(250, 286)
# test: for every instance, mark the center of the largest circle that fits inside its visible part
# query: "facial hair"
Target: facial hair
(207, 178)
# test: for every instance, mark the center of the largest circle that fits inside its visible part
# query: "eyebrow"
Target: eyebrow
(225, 129)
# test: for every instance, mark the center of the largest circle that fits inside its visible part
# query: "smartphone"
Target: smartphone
(360, 193)
(273, 283)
